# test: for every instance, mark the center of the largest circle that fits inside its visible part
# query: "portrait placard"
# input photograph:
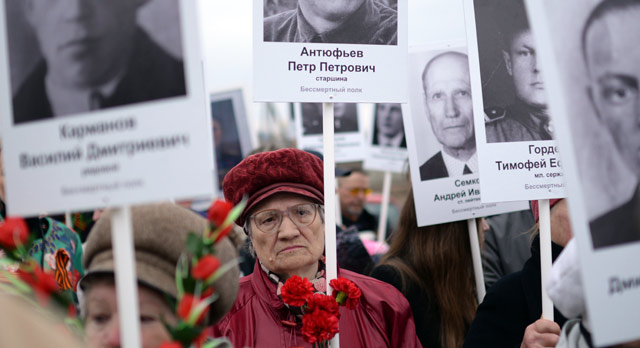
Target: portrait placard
(349, 137)
(231, 137)
(387, 143)
(103, 111)
(517, 155)
(590, 53)
(330, 51)
(440, 138)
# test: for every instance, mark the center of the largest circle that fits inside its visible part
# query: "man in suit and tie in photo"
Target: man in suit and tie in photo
(447, 91)
(94, 56)
(388, 130)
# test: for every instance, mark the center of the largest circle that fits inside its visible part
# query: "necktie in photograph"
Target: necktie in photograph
(466, 170)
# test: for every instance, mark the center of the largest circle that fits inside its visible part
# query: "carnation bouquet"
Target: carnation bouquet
(321, 312)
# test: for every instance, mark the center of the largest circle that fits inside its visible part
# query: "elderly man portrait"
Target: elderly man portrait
(367, 22)
(611, 54)
(94, 56)
(527, 118)
(388, 129)
(447, 92)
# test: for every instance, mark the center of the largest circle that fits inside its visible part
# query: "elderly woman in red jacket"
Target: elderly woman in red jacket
(284, 220)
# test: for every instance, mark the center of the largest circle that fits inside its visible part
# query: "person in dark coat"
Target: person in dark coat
(510, 314)
(115, 63)
(284, 219)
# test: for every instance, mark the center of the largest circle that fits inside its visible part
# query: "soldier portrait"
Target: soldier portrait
(365, 22)
(611, 54)
(89, 55)
(513, 88)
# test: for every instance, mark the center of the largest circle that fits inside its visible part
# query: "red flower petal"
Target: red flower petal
(218, 212)
(296, 291)
(187, 304)
(13, 232)
(205, 267)
(173, 344)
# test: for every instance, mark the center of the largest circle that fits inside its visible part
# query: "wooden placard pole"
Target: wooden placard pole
(384, 207)
(329, 200)
(477, 258)
(125, 277)
(545, 255)
(67, 220)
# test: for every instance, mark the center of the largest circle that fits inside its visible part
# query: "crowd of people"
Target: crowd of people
(418, 290)
(420, 293)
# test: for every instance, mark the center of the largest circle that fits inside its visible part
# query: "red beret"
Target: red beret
(264, 174)
(536, 211)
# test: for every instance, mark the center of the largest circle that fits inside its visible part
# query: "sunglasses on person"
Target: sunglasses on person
(302, 215)
(356, 191)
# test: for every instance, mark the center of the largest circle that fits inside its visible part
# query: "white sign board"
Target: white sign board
(519, 159)
(103, 111)
(387, 143)
(231, 137)
(349, 136)
(327, 51)
(590, 54)
(440, 138)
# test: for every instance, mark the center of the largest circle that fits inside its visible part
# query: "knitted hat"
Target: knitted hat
(261, 175)
(159, 235)
(536, 210)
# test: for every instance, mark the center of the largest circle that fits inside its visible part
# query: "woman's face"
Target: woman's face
(291, 250)
(102, 323)
(560, 225)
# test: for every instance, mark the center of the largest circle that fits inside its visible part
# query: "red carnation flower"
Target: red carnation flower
(319, 326)
(187, 304)
(324, 303)
(218, 212)
(346, 292)
(173, 344)
(13, 232)
(42, 283)
(296, 291)
(205, 267)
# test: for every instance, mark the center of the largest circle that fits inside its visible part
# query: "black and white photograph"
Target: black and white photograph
(73, 59)
(348, 133)
(387, 150)
(345, 118)
(515, 102)
(517, 152)
(388, 130)
(590, 51)
(338, 51)
(97, 99)
(229, 124)
(441, 137)
(448, 108)
(365, 22)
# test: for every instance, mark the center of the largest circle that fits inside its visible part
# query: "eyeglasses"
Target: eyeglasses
(269, 221)
(356, 191)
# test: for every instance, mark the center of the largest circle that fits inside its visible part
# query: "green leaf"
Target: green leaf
(212, 343)
(194, 244)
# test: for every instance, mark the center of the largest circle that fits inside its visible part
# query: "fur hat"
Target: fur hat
(261, 175)
(159, 236)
